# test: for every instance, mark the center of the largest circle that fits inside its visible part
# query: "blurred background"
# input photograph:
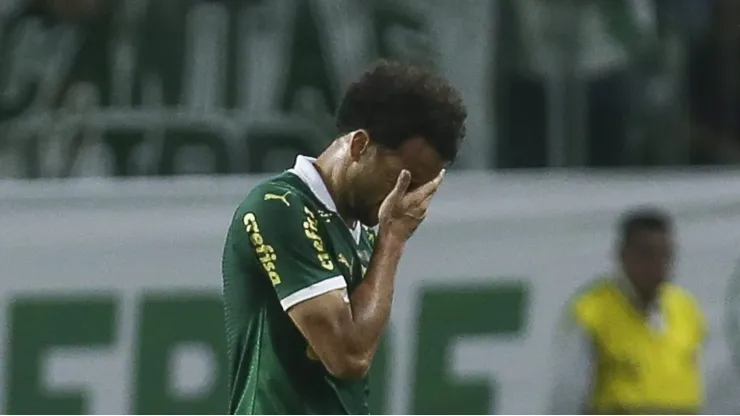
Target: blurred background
(131, 88)
(115, 115)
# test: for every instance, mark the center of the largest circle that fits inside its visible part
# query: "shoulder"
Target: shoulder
(687, 305)
(587, 303)
(677, 293)
(592, 292)
(278, 206)
(275, 197)
(682, 298)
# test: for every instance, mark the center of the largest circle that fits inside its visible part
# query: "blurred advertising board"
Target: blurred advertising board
(110, 291)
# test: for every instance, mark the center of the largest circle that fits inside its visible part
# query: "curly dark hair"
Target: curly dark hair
(395, 102)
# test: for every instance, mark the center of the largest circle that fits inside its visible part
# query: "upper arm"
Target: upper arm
(573, 366)
(326, 321)
(286, 238)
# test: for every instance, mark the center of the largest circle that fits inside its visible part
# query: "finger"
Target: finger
(428, 189)
(402, 183)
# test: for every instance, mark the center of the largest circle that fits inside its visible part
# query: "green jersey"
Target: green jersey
(286, 244)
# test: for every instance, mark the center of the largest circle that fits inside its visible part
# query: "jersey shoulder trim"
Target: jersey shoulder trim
(315, 290)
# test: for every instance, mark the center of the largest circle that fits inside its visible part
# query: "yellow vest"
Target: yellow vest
(641, 369)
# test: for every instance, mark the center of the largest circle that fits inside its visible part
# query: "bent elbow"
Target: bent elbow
(349, 368)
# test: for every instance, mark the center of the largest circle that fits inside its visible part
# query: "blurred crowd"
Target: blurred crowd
(145, 87)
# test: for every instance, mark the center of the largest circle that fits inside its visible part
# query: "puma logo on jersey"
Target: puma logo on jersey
(283, 197)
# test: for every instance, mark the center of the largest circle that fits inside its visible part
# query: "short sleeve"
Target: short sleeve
(286, 238)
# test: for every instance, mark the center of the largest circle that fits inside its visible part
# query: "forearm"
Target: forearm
(371, 300)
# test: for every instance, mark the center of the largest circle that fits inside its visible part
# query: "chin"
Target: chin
(371, 223)
(370, 220)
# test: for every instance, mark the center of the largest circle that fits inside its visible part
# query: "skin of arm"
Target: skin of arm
(344, 332)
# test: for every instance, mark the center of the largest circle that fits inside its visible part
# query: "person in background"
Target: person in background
(631, 342)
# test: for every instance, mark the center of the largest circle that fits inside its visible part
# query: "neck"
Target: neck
(643, 299)
(330, 165)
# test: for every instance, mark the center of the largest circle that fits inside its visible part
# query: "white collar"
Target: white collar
(304, 168)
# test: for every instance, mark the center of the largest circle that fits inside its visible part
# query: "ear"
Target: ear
(359, 144)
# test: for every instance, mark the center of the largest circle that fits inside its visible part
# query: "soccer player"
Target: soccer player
(307, 283)
(631, 343)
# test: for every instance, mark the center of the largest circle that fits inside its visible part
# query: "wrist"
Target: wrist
(389, 241)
